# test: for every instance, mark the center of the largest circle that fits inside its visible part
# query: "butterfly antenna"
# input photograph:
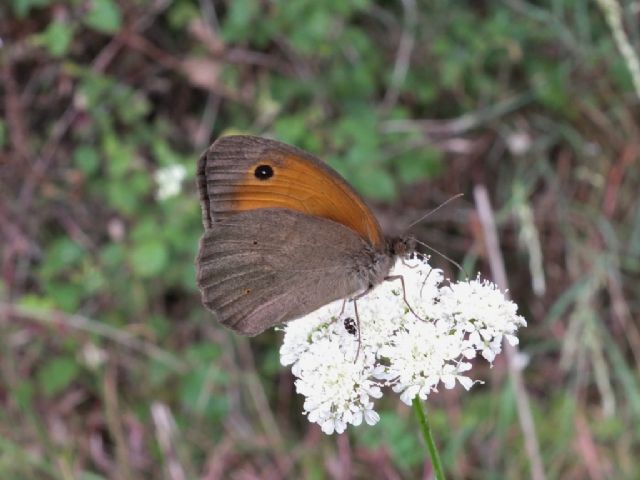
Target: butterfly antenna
(435, 209)
(445, 257)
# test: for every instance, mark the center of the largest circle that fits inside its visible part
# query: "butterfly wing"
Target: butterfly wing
(260, 268)
(240, 173)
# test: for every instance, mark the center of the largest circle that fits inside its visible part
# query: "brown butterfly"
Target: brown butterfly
(284, 235)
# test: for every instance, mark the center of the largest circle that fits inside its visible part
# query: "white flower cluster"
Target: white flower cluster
(340, 375)
(169, 180)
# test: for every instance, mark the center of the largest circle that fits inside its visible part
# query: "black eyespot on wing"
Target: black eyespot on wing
(263, 172)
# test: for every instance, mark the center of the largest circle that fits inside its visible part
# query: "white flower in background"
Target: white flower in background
(412, 355)
(169, 180)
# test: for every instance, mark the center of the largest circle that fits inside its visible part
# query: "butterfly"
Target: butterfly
(284, 235)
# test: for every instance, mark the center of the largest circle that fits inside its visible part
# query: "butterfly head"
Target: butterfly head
(401, 246)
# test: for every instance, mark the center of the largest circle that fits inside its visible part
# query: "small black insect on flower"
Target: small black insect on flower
(350, 326)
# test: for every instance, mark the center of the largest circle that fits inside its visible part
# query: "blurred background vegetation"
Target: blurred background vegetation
(111, 368)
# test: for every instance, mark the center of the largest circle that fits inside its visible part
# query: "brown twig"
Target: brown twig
(166, 435)
(487, 220)
(14, 111)
(463, 124)
(114, 423)
(615, 178)
(622, 314)
(588, 452)
(82, 323)
(344, 458)
(262, 407)
(403, 54)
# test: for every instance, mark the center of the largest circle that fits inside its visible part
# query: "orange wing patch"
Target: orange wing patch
(298, 184)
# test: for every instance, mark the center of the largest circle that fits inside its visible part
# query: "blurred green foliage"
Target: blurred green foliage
(111, 91)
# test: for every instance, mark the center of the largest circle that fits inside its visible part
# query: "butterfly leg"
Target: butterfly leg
(344, 303)
(404, 294)
(425, 282)
(363, 294)
(355, 309)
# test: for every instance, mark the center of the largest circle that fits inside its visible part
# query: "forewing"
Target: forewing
(264, 267)
(228, 184)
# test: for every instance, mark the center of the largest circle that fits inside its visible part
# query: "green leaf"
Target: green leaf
(164, 154)
(112, 255)
(197, 390)
(57, 374)
(56, 38)
(62, 255)
(240, 19)
(291, 129)
(85, 157)
(140, 183)
(418, 165)
(34, 301)
(399, 435)
(90, 476)
(23, 394)
(181, 14)
(104, 16)
(66, 296)
(375, 183)
(3, 133)
(149, 258)
(22, 7)
(202, 353)
(121, 197)
(119, 155)
(551, 88)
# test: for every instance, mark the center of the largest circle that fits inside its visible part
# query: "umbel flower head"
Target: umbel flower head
(411, 350)
(169, 180)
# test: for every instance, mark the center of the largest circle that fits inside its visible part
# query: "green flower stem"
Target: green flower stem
(426, 433)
